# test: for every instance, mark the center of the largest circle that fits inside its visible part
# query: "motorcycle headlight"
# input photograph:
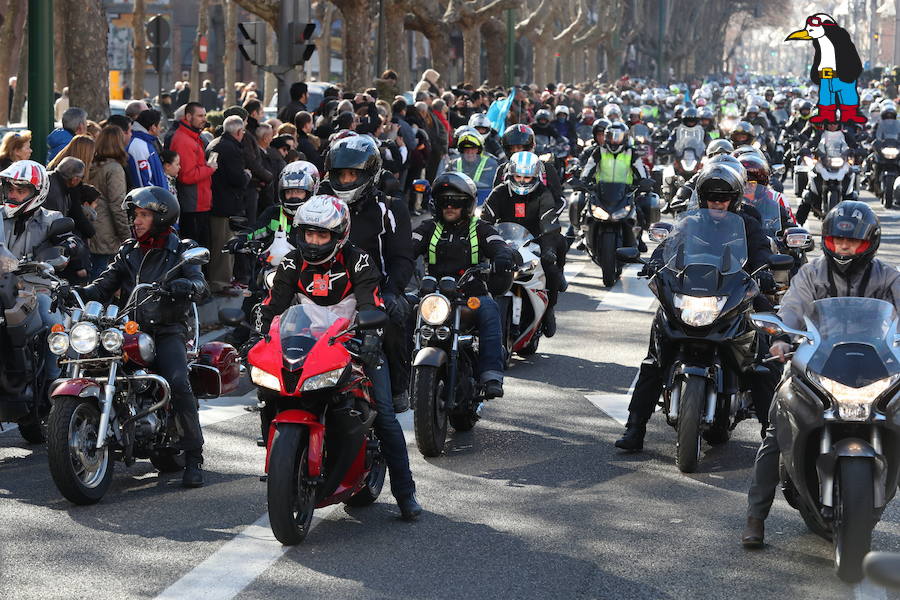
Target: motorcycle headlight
(323, 380)
(658, 234)
(853, 404)
(599, 213)
(58, 342)
(688, 164)
(809, 162)
(835, 163)
(112, 340)
(699, 311)
(434, 309)
(264, 379)
(622, 212)
(890, 153)
(84, 337)
(797, 240)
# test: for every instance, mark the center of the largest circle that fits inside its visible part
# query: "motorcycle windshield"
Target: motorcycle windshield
(761, 198)
(611, 196)
(301, 326)
(690, 138)
(707, 237)
(514, 235)
(856, 341)
(889, 129)
(542, 144)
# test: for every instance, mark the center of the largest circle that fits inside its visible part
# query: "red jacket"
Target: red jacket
(440, 117)
(195, 177)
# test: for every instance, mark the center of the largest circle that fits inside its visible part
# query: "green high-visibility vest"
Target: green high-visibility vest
(478, 170)
(436, 237)
(280, 224)
(614, 168)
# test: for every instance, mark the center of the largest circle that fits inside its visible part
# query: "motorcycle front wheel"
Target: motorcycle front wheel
(687, 447)
(291, 498)
(430, 414)
(81, 471)
(854, 516)
(606, 248)
(888, 191)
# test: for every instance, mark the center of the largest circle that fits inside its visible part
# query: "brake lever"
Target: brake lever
(775, 358)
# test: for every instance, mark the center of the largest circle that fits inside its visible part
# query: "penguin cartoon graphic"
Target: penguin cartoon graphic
(835, 68)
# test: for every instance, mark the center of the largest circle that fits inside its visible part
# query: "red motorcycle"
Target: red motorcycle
(321, 449)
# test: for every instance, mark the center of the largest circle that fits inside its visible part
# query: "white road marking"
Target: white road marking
(630, 293)
(573, 269)
(217, 410)
(614, 405)
(7, 427)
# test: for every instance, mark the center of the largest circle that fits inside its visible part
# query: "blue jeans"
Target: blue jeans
(834, 91)
(490, 338)
(390, 434)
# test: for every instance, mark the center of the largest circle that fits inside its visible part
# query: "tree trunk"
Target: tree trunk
(7, 41)
(323, 43)
(494, 34)
(138, 19)
(86, 35)
(270, 82)
(202, 24)
(539, 63)
(231, 49)
(18, 104)
(60, 66)
(357, 60)
(471, 34)
(396, 43)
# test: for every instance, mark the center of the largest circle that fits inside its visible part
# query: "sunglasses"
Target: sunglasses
(452, 202)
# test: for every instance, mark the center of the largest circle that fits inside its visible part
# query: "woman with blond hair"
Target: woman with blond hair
(108, 176)
(80, 147)
(16, 145)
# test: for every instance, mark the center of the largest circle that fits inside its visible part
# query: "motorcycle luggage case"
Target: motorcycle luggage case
(216, 372)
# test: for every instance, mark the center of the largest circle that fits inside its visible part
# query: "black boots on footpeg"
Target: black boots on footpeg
(193, 469)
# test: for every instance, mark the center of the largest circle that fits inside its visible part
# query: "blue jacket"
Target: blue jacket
(143, 161)
(57, 140)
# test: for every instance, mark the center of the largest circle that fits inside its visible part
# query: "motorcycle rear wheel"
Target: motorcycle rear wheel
(82, 472)
(291, 500)
(687, 447)
(429, 416)
(854, 516)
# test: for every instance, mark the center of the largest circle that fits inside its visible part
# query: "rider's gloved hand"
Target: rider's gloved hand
(181, 288)
(502, 264)
(370, 351)
(235, 244)
(766, 282)
(396, 307)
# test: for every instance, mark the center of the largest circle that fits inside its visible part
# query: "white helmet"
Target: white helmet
(327, 214)
(297, 176)
(524, 164)
(562, 109)
(24, 173)
(480, 120)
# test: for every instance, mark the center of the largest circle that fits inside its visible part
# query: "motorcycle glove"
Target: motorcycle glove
(181, 288)
(502, 264)
(370, 351)
(766, 282)
(235, 244)
(396, 306)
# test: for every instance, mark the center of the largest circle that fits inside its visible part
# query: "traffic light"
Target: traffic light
(253, 45)
(158, 32)
(300, 50)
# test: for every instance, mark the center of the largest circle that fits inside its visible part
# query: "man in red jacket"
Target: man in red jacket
(195, 177)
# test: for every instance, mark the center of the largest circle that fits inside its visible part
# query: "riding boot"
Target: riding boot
(633, 438)
(193, 472)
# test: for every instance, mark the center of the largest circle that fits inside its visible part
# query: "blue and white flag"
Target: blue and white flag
(499, 109)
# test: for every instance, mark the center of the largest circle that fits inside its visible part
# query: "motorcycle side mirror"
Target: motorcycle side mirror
(883, 568)
(60, 227)
(195, 256)
(781, 262)
(770, 324)
(629, 255)
(799, 238)
(231, 316)
(371, 319)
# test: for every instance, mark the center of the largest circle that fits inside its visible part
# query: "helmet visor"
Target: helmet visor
(16, 193)
(615, 136)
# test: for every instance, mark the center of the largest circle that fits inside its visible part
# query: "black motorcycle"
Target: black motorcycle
(705, 297)
(838, 421)
(887, 168)
(608, 220)
(23, 336)
(444, 384)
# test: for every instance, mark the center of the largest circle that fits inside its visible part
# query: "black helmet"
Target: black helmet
(805, 105)
(357, 152)
(719, 182)
(719, 146)
(456, 189)
(542, 115)
(757, 168)
(517, 135)
(743, 127)
(690, 117)
(157, 200)
(600, 126)
(855, 220)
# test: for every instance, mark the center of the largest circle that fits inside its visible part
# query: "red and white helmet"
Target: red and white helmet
(24, 173)
(322, 213)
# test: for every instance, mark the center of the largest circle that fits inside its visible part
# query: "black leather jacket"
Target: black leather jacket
(132, 265)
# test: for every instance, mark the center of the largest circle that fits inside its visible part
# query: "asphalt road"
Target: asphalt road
(535, 502)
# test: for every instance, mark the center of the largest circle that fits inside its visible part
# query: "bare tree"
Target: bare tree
(60, 59)
(427, 18)
(140, 52)
(397, 50)
(202, 26)
(86, 38)
(231, 49)
(7, 43)
(357, 31)
(468, 16)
